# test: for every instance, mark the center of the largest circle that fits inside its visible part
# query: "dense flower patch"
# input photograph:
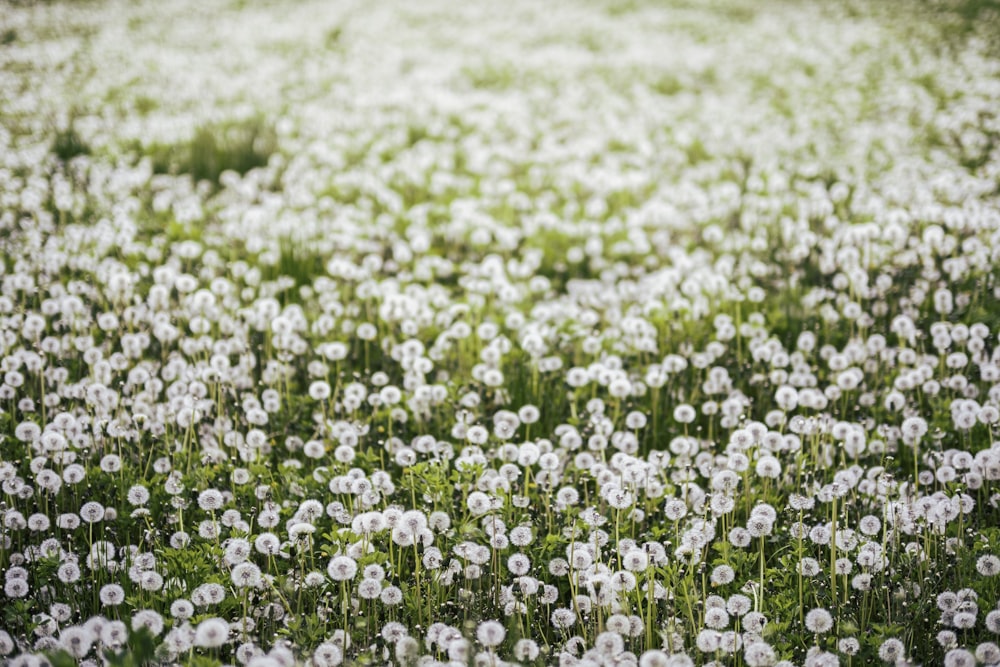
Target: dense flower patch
(584, 333)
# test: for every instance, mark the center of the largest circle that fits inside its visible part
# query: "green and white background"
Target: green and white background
(565, 333)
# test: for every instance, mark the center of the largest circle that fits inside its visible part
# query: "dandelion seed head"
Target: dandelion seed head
(819, 621)
(211, 633)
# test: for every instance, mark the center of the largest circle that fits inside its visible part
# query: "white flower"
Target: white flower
(211, 633)
(342, 568)
(490, 633)
(112, 595)
(819, 621)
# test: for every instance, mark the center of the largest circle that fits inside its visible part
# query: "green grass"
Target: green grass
(68, 144)
(215, 148)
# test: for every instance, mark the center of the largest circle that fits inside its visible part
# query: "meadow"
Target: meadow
(629, 333)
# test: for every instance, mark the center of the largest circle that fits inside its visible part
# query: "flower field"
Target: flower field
(593, 332)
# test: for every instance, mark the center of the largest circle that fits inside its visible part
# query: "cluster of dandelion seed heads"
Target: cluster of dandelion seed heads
(525, 355)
